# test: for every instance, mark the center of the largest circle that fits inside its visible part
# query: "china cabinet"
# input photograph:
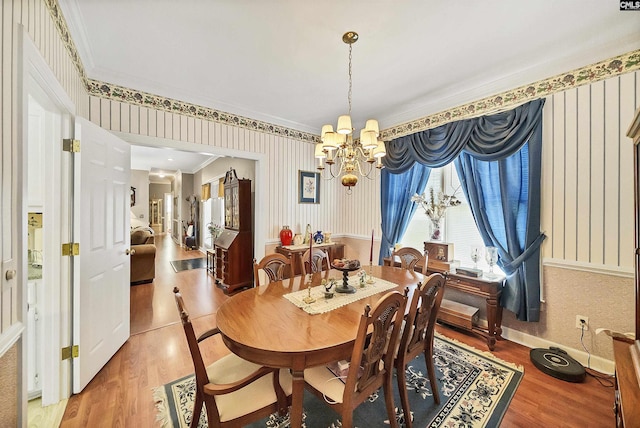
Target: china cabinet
(233, 251)
(155, 215)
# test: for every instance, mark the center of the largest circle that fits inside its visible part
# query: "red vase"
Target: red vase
(286, 236)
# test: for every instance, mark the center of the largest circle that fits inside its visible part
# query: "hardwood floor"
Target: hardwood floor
(156, 353)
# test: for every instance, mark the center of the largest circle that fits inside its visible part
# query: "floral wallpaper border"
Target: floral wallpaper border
(131, 96)
(592, 73)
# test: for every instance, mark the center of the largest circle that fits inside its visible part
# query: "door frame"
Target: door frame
(260, 172)
(36, 79)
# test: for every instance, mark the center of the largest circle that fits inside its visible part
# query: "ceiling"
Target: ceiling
(284, 61)
(163, 162)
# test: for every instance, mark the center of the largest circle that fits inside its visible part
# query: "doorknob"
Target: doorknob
(10, 274)
(130, 251)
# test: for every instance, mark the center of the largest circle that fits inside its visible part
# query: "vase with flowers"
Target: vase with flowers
(435, 207)
(215, 230)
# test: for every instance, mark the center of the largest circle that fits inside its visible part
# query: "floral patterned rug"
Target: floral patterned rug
(475, 391)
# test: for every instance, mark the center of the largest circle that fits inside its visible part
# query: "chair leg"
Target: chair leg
(428, 359)
(388, 399)
(347, 419)
(197, 409)
(404, 396)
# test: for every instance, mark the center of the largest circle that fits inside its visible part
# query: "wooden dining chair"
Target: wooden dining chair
(235, 391)
(371, 363)
(417, 337)
(276, 267)
(410, 258)
(319, 262)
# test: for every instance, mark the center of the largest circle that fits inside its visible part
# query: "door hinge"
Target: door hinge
(70, 352)
(69, 145)
(71, 249)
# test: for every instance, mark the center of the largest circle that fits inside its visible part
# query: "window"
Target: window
(459, 226)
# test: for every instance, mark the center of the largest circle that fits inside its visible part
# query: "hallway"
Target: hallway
(153, 305)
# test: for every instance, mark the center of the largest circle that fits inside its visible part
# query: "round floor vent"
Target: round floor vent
(557, 363)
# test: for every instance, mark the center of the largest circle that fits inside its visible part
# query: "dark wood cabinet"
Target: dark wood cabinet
(335, 251)
(233, 250)
(627, 351)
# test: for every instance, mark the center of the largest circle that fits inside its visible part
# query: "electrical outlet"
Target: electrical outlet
(581, 320)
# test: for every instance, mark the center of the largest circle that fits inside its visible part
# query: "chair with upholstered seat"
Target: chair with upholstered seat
(417, 337)
(319, 262)
(410, 258)
(235, 391)
(377, 337)
(275, 266)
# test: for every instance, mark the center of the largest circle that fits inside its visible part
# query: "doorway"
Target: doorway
(167, 219)
(47, 119)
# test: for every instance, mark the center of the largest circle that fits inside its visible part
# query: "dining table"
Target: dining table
(264, 325)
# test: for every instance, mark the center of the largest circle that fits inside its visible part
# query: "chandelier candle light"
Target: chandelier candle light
(434, 209)
(339, 146)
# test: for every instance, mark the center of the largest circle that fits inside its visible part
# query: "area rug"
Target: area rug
(475, 391)
(180, 265)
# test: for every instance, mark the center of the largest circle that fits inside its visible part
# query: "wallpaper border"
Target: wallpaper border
(599, 71)
(582, 76)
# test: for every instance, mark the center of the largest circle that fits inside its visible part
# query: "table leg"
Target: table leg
(492, 310)
(499, 323)
(296, 398)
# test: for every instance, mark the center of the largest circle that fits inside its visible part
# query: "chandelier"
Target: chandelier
(353, 157)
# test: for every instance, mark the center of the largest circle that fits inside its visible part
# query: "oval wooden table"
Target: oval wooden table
(262, 326)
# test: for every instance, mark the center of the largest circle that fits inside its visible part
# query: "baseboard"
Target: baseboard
(599, 364)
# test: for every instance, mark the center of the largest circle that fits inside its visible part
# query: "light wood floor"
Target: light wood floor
(156, 353)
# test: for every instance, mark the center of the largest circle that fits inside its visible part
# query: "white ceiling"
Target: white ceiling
(163, 162)
(284, 62)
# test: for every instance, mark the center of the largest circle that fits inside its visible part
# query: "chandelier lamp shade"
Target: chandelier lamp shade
(352, 158)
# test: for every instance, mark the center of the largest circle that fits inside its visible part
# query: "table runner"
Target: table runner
(322, 304)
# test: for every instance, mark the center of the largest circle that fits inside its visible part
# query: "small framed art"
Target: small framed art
(133, 196)
(308, 187)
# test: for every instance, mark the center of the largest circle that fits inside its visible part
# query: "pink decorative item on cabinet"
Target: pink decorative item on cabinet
(286, 236)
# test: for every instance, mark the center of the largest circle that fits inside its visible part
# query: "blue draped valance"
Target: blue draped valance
(485, 138)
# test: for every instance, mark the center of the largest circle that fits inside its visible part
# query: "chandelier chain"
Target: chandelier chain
(350, 46)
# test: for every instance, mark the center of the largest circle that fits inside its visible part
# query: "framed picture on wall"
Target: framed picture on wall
(308, 187)
(133, 196)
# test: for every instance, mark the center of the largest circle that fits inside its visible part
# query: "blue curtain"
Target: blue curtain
(396, 206)
(501, 183)
(504, 196)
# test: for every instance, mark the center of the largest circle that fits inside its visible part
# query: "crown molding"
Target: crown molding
(582, 76)
(621, 64)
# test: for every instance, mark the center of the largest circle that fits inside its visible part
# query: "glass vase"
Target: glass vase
(436, 230)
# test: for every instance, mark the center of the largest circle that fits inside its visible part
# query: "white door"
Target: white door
(101, 272)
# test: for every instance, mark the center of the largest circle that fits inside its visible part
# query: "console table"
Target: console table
(294, 252)
(489, 289)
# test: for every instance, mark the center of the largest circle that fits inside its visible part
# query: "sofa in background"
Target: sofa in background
(143, 260)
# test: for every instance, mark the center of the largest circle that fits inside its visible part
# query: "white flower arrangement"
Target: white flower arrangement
(435, 208)
(215, 230)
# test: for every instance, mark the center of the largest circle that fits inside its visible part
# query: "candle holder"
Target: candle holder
(309, 300)
(370, 279)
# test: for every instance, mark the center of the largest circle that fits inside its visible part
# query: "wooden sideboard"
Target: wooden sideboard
(627, 352)
(335, 250)
(489, 289)
(627, 395)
